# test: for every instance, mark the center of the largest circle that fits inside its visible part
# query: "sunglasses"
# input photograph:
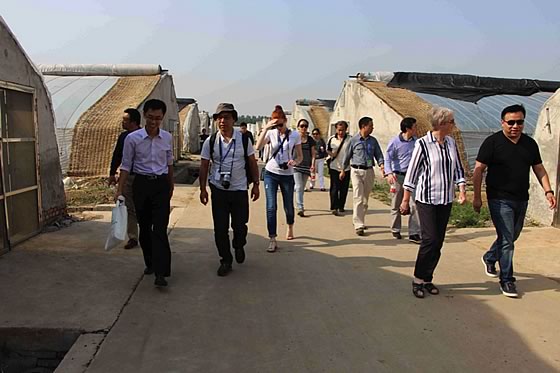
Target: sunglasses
(512, 122)
(303, 126)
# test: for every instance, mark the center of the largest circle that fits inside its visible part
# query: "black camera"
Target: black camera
(225, 179)
(283, 166)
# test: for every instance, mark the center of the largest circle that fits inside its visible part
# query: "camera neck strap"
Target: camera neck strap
(223, 157)
(281, 144)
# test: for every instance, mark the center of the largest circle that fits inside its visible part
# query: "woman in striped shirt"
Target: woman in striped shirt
(434, 170)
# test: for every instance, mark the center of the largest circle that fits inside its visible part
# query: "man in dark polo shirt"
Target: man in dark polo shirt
(148, 153)
(508, 156)
(130, 123)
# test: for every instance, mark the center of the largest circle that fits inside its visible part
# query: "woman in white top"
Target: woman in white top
(285, 153)
(434, 172)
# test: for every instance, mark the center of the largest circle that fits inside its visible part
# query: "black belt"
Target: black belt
(399, 173)
(361, 167)
(151, 177)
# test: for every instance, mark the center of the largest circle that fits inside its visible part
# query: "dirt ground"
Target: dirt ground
(89, 191)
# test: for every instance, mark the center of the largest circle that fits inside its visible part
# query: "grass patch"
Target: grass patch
(463, 216)
(381, 192)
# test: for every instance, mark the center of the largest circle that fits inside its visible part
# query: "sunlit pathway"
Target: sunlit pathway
(329, 301)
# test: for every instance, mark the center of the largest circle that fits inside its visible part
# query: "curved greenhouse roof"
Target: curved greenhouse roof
(484, 116)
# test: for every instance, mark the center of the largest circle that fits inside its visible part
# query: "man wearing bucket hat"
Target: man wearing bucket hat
(230, 158)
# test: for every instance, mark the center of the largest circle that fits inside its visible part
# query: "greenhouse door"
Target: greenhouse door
(19, 191)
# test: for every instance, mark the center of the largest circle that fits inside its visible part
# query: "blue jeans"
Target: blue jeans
(300, 180)
(508, 217)
(271, 183)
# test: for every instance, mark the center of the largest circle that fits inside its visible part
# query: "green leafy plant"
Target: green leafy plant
(463, 216)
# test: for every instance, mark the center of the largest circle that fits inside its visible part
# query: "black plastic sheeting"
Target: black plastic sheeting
(469, 88)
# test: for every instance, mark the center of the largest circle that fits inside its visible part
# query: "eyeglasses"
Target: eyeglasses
(512, 122)
(303, 126)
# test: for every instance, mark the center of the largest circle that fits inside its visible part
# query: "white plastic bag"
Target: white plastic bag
(119, 221)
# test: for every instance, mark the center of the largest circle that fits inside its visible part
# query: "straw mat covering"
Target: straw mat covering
(408, 104)
(96, 132)
(321, 118)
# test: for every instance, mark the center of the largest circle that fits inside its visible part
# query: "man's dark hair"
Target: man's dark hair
(407, 123)
(513, 109)
(155, 104)
(243, 124)
(342, 123)
(364, 122)
(134, 115)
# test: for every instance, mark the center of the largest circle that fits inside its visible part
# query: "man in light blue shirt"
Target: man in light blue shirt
(361, 155)
(399, 153)
(148, 153)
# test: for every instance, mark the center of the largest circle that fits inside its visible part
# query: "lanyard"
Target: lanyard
(223, 158)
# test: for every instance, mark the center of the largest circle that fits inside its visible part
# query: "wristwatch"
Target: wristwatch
(549, 191)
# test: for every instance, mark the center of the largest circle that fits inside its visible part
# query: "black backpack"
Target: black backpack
(245, 140)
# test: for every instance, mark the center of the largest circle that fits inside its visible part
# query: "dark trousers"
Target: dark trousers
(151, 200)
(224, 205)
(338, 189)
(433, 223)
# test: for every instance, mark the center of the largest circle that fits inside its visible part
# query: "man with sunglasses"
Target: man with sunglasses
(508, 156)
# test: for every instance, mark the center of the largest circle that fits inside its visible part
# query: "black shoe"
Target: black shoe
(224, 269)
(415, 238)
(240, 255)
(490, 269)
(509, 290)
(131, 244)
(342, 211)
(360, 231)
(148, 271)
(397, 235)
(301, 213)
(160, 281)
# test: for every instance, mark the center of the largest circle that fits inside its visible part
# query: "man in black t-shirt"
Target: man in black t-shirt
(130, 123)
(243, 129)
(508, 155)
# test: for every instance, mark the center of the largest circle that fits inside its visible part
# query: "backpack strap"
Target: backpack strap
(212, 144)
(245, 140)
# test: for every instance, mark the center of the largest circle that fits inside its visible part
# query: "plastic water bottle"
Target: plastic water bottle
(393, 188)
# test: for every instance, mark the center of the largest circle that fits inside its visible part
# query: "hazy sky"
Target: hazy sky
(260, 53)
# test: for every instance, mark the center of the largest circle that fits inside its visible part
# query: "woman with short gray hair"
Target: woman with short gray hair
(434, 170)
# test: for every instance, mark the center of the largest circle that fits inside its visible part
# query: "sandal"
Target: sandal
(272, 246)
(431, 288)
(418, 290)
(290, 234)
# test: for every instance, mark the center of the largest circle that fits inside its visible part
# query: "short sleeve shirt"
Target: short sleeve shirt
(305, 165)
(285, 153)
(509, 166)
(232, 160)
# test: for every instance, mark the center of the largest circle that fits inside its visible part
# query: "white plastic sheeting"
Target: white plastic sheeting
(204, 121)
(100, 70)
(191, 130)
(71, 97)
(379, 76)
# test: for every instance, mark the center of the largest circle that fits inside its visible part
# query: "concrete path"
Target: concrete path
(331, 301)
